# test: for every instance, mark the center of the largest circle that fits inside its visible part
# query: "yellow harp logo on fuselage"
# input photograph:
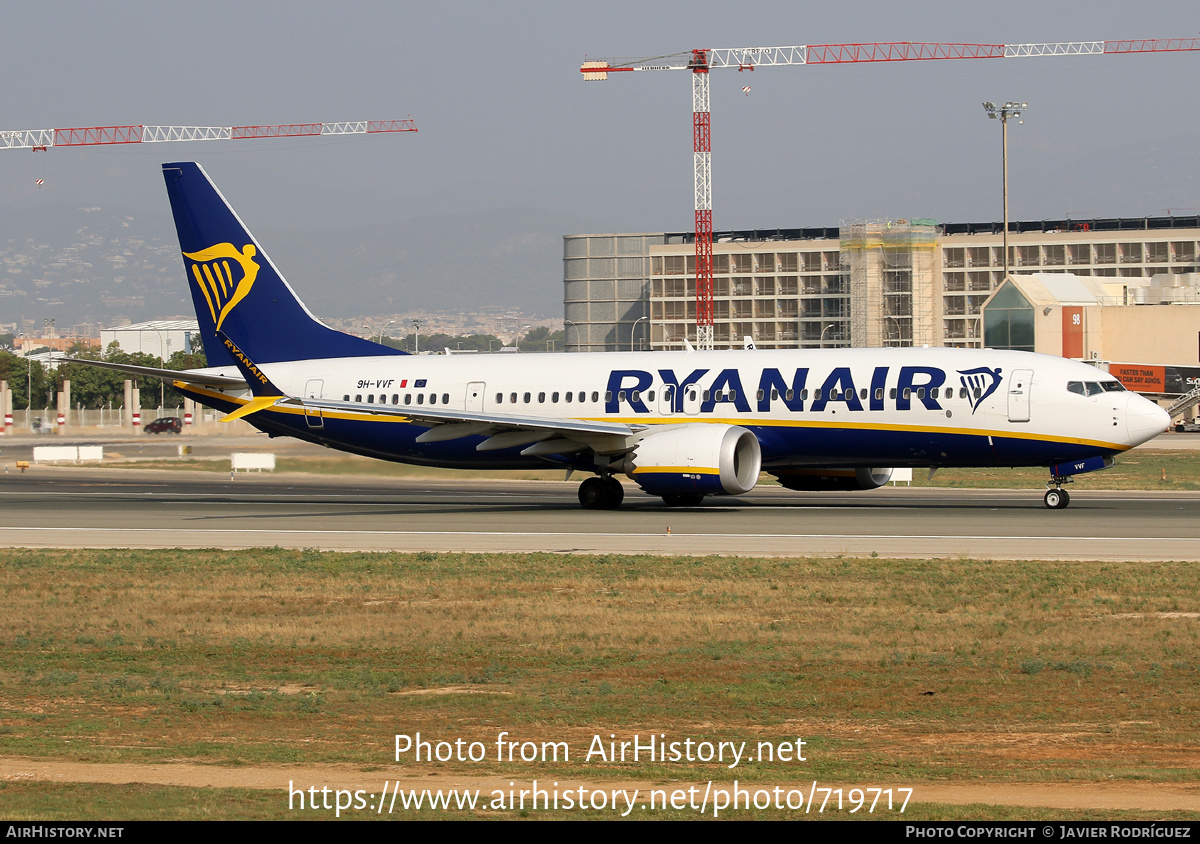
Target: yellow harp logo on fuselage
(223, 286)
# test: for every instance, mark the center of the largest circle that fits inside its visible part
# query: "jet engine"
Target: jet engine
(695, 460)
(833, 479)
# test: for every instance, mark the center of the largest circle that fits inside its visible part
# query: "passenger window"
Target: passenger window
(650, 396)
(395, 398)
(371, 399)
(817, 394)
(733, 395)
(908, 392)
(863, 394)
(445, 398)
(383, 398)
(408, 398)
(933, 393)
(962, 392)
(554, 397)
(760, 394)
(893, 392)
(775, 394)
(420, 398)
(346, 397)
(789, 395)
(921, 392)
(707, 395)
(978, 392)
(358, 397)
(499, 398)
(635, 396)
(527, 397)
(568, 396)
(607, 396)
(621, 396)
(512, 397)
(433, 398)
(879, 394)
(541, 398)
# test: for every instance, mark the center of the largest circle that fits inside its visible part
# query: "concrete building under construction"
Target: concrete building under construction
(866, 283)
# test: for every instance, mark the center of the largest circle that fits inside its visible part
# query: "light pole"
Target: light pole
(821, 341)
(385, 325)
(416, 336)
(566, 345)
(1009, 109)
(633, 331)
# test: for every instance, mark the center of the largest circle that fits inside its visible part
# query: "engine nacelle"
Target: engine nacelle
(806, 480)
(696, 460)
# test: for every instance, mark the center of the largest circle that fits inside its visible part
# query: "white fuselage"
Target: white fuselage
(830, 407)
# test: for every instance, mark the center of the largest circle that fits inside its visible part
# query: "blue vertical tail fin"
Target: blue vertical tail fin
(237, 290)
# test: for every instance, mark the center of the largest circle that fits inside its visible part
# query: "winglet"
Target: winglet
(266, 394)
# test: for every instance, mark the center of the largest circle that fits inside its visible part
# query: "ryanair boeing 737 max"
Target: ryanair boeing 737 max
(682, 425)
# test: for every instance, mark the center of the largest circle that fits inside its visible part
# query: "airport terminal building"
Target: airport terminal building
(865, 283)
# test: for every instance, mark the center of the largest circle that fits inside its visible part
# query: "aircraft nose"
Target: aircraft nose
(1145, 420)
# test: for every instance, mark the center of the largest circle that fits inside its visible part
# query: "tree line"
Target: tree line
(91, 387)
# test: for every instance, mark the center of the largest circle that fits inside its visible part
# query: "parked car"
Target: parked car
(165, 425)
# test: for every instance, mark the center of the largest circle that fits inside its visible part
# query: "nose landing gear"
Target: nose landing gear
(1057, 498)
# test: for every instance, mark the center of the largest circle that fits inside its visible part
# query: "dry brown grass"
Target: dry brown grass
(896, 671)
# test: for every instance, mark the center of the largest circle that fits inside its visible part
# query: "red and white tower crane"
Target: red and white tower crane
(39, 140)
(700, 62)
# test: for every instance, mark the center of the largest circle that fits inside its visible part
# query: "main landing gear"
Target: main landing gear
(1057, 498)
(603, 492)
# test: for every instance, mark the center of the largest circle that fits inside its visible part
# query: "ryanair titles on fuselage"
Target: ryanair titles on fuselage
(911, 383)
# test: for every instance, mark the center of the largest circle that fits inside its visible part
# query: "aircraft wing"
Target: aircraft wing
(209, 379)
(542, 434)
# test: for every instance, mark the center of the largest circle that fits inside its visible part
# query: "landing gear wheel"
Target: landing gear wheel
(683, 500)
(601, 493)
(1057, 499)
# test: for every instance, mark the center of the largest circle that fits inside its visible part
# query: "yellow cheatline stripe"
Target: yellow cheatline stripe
(253, 406)
(678, 470)
(325, 414)
(756, 423)
(871, 426)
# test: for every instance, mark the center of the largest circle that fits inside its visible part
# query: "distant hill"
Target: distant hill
(102, 264)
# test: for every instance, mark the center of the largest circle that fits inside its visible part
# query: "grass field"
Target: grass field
(896, 673)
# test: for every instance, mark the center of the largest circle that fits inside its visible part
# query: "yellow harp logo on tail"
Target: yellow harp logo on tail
(223, 286)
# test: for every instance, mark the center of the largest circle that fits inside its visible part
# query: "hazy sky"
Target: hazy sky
(507, 122)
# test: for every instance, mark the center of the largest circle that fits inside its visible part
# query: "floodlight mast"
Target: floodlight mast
(700, 62)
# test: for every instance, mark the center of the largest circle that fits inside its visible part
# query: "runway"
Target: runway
(104, 508)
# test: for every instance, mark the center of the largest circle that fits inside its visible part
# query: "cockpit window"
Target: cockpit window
(1093, 388)
(1076, 387)
(1113, 386)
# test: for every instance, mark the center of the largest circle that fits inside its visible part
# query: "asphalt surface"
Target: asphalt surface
(104, 507)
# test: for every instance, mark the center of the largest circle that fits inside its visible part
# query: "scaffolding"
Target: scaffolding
(891, 264)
